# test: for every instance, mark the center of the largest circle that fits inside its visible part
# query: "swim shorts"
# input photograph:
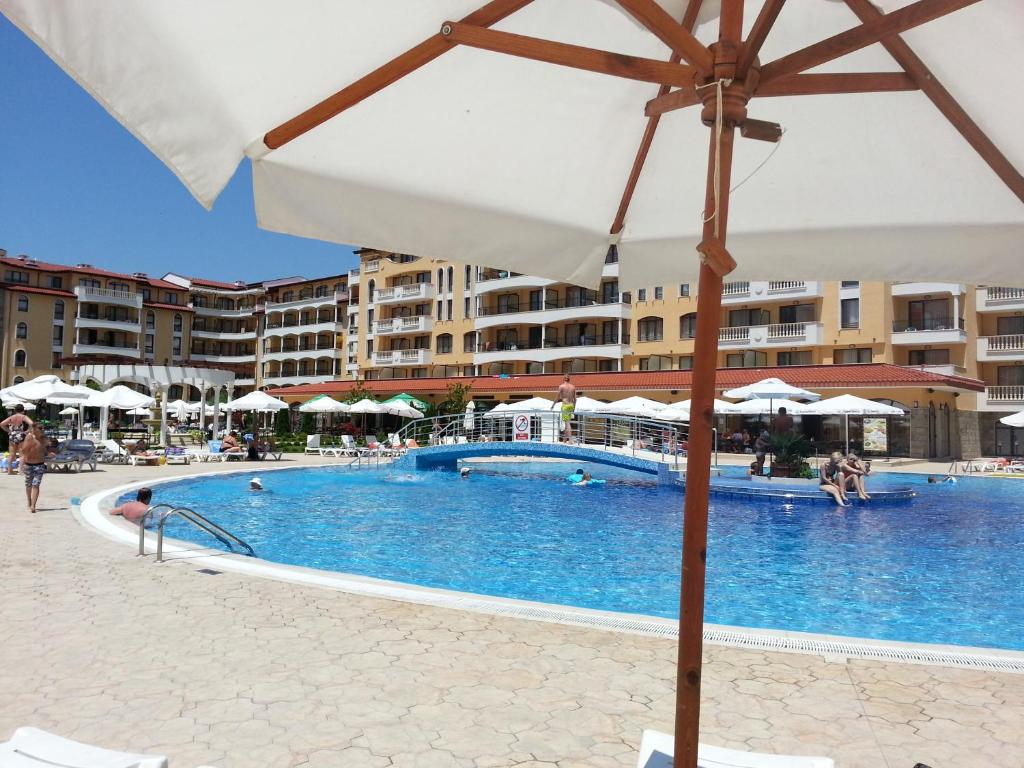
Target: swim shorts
(567, 411)
(33, 474)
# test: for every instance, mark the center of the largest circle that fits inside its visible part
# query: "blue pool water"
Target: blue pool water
(945, 567)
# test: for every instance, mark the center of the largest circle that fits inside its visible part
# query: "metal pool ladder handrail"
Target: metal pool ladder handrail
(186, 513)
(142, 525)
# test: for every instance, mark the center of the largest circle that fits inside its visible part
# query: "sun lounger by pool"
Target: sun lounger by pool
(656, 752)
(112, 452)
(34, 748)
(73, 454)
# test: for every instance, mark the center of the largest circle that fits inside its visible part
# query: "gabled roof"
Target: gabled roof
(34, 289)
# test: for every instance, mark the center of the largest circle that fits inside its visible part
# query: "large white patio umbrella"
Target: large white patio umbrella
(850, 405)
(1015, 420)
(13, 401)
(366, 405)
(43, 388)
(530, 404)
(759, 407)
(770, 389)
(323, 404)
(256, 401)
(178, 409)
(121, 398)
(641, 407)
(588, 405)
(499, 172)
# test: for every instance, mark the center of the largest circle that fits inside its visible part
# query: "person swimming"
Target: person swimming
(947, 479)
(255, 484)
(464, 473)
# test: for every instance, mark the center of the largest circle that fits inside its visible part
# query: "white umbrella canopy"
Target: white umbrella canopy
(404, 410)
(1016, 420)
(588, 405)
(361, 178)
(770, 388)
(323, 404)
(530, 404)
(178, 409)
(121, 398)
(256, 401)
(366, 406)
(851, 405)
(69, 411)
(144, 412)
(77, 396)
(205, 408)
(43, 388)
(634, 406)
(763, 407)
(11, 402)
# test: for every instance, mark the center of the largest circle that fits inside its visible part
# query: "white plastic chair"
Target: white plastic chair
(656, 750)
(313, 444)
(34, 748)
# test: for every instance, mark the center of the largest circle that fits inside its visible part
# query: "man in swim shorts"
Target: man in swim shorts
(566, 395)
(33, 463)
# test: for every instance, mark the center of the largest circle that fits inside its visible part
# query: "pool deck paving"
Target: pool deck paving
(234, 670)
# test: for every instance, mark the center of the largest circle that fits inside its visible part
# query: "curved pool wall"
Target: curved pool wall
(603, 502)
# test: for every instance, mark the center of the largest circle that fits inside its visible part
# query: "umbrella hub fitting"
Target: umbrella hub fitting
(735, 93)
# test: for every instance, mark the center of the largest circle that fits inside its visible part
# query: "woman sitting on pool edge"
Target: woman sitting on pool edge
(831, 479)
(854, 475)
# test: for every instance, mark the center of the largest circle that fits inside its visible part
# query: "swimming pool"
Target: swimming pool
(944, 567)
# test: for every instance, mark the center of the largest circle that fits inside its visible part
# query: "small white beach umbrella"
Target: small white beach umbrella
(177, 409)
(366, 406)
(641, 407)
(42, 388)
(850, 405)
(1016, 420)
(530, 404)
(771, 389)
(69, 411)
(144, 412)
(79, 395)
(323, 404)
(121, 398)
(764, 407)
(256, 401)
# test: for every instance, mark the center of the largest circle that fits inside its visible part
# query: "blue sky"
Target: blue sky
(76, 187)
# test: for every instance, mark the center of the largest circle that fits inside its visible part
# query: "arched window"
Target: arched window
(19, 359)
(18, 379)
(440, 280)
(650, 329)
(451, 280)
(469, 274)
(321, 291)
(444, 344)
(688, 326)
(58, 310)
(370, 288)
(469, 341)
(177, 323)
(23, 303)
(287, 296)
(150, 321)
(21, 331)
(306, 293)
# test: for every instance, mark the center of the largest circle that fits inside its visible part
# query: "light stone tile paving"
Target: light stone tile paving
(240, 671)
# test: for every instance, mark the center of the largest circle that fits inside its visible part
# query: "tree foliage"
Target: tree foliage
(457, 398)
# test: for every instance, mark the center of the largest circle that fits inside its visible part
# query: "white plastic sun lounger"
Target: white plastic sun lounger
(656, 752)
(33, 748)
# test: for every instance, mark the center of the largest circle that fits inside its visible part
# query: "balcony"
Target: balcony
(552, 312)
(127, 324)
(771, 336)
(1002, 398)
(198, 333)
(492, 280)
(293, 328)
(927, 289)
(999, 299)
(218, 312)
(288, 381)
(108, 296)
(332, 297)
(607, 348)
(932, 330)
(395, 325)
(398, 294)
(396, 357)
(769, 290)
(369, 267)
(105, 349)
(996, 348)
(295, 353)
(226, 359)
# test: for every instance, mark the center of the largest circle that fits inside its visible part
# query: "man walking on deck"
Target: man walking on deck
(566, 395)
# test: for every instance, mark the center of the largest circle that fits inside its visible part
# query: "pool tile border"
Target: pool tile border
(832, 647)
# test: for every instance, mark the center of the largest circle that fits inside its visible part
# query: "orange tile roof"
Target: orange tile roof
(44, 266)
(874, 375)
(34, 289)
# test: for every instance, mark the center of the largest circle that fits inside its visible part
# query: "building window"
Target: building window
(150, 338)
(684, 290)
(440, 310)
(321, 291)
(794, 358)
(469, 342)
(450, 302)
(746, 360)
(650, 329)
(1010, 375)
(21, 331)
(150, 321)
(850, 313)
(177, 323)
(798, 313)
(743, 318)
(659, 293)
(852, 356)
(16, 276)
(88, 282)
(171, 298)
(18, 379)
(451, 280)
(176, 346)
(58, 335)
(928, 357)
(58, 310)
(1006, 326)
(655, 363)
(686, 362)
(56, 281)
(466, 307)
(641, 294)
(850, 283)
(55, 360)
(116, 286)
(688, 326)
(146, 293)
(23, 303)
(369, 347)
(444, 344)
(469, 275)
(19, 358)
(440, 281)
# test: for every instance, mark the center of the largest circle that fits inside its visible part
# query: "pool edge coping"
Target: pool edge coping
(833, 648)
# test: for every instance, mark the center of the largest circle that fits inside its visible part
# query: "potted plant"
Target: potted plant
(789, 454)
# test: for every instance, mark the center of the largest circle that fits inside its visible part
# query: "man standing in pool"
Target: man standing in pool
(566, 395)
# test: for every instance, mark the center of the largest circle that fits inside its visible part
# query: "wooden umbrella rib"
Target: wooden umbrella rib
(671, 101)
(676, 36)
(918, 71)
(575, 56)
(758, 33)
(383, 76)
(852, 82)
(691, 13)
(866, 34)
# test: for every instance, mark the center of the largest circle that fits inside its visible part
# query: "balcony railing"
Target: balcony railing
(736, 289)
(1009, 343)
(552, 342)
(780, 286)
(928, 324)
(787, 330)
(591, 300)
(1000, 293)
(413, 292)
(741, 333)
(1011, 393)
(86, 292)
(410, 324)
(371, 266)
